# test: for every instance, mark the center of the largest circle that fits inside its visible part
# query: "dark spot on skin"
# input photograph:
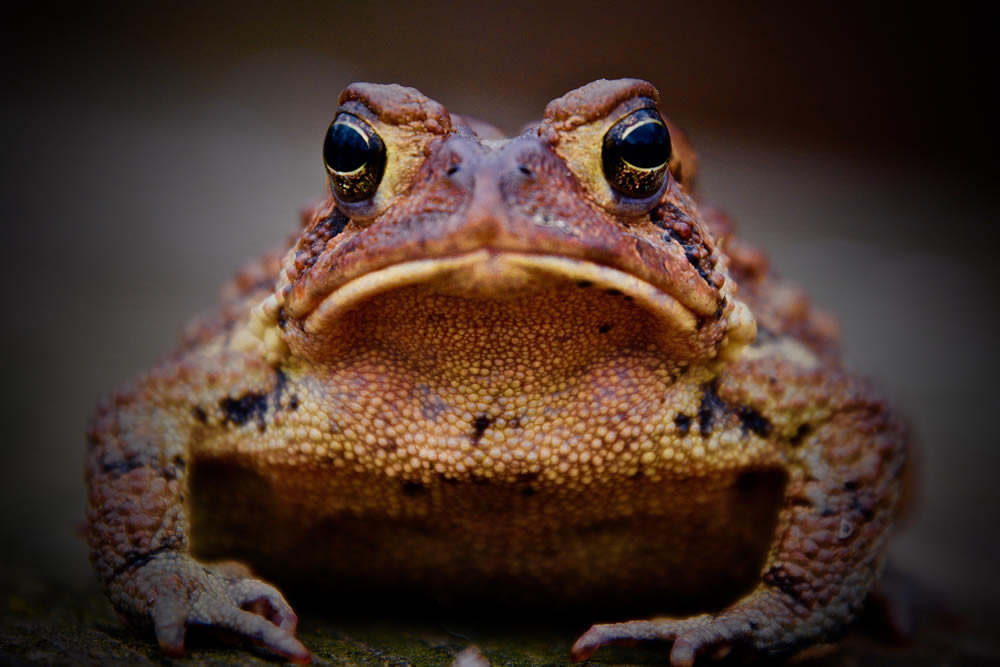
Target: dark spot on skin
(119, 468)
(282, 317)
(293, 402)
(636, 476)
(850, 485)
(136, 559)
(528, 491)
(695, 261)
(391, 445)
(613, 292)
(863, 505)
(240, 410)
(515, 422)
(431, 405)
(778, 577)
(683, 423)
(800, 434)
(764, 335)
(199, 414)
(605, 328)
(753, 421)
(720, 308)
(280, 381)
(174, 469)
(827, 512)
(711, 406)
(656, 217)
(584, 283)
(336, 222)
(411, 488)
(479, 426)
(629, 298)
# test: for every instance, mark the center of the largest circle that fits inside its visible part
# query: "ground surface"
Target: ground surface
(50, 622)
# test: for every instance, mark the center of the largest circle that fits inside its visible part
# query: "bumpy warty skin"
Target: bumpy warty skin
(499, 374)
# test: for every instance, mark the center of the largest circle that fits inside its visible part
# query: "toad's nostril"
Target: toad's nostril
(525, 170)
(453, 169)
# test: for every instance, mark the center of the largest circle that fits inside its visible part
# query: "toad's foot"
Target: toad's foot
(176, 592)
(690, 636)
(758, 624)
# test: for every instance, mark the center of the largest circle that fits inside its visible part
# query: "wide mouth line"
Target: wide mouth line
(493, 273)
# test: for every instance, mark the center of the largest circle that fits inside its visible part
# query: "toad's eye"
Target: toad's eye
(636, 154)
(354, 156)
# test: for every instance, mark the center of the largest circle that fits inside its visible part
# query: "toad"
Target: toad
(535, 366)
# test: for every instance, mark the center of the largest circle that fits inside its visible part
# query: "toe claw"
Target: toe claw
(169, 626)
(170, 637)
(584, 647)
(602, 635)
(266, 634)
(682, 653)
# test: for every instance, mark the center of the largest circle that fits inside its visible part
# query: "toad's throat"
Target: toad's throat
(486, 297)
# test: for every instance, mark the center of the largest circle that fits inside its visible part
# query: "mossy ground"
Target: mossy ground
(44, 620)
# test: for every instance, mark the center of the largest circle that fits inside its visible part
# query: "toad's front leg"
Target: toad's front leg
(138, 526)
(828, 551)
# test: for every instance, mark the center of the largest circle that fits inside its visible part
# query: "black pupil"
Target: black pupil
(647, 146)
(345, 149)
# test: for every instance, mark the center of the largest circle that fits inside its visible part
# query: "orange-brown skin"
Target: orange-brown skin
(498, 370)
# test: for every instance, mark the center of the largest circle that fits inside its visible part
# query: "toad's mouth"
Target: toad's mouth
(489, 274)
(494, 286)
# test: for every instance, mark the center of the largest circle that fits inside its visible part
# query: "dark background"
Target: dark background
(148, 151)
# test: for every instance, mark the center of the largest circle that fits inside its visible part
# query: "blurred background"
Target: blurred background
(150, 148)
